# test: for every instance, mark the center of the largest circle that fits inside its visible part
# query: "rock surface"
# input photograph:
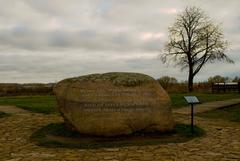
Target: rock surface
(114, 104)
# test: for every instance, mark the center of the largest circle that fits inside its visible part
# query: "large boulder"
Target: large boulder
(114, 104)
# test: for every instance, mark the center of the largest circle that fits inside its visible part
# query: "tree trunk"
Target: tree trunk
(190, 79)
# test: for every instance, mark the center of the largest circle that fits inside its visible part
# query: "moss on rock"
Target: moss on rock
(117, 78)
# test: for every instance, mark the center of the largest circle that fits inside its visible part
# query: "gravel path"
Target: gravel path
(11, 109)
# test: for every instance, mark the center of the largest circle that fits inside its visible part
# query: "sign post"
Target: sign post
(192, 100)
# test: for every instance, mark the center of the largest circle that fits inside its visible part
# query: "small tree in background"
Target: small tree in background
(218, 79)
(166, 81)
(194, 41)
(236, 79)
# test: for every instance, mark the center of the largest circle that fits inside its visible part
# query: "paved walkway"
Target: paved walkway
(221, 143)
(209, 106)
(12, 109)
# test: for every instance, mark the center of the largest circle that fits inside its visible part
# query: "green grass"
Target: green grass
(41, 104)
(230, 114)
(178, 100)
(57, 135)
(47, 103)
(3, 114)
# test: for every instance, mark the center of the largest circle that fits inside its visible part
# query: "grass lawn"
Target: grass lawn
(230, 114)
(57, 135)
(47, 103)
(3, 114)
(178, 100)
(41, 104)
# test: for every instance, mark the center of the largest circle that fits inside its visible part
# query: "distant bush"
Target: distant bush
(172, 85)
(14, 89)
(236, 79)
(167, 81)
(218, 79)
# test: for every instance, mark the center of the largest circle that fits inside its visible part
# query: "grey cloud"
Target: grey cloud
(25, 38)
(50, 40)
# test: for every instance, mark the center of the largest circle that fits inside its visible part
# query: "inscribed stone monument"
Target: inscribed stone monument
(114, 104)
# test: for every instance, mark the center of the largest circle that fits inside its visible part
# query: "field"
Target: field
(41, 104)
(2, 114)
(229, 114)
(57, 135)
(178, 101)
(47, 103)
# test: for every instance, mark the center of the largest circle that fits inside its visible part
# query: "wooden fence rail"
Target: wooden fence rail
(218, 87)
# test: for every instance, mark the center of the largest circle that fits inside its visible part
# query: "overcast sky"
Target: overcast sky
(48, 40)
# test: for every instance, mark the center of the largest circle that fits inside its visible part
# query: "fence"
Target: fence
(225, 87)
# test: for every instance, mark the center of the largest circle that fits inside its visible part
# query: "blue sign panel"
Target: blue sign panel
(192, 99)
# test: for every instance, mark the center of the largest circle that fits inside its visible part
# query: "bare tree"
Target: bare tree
(218, 79)
(236, 79)
(166, 81)
(194, 41)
